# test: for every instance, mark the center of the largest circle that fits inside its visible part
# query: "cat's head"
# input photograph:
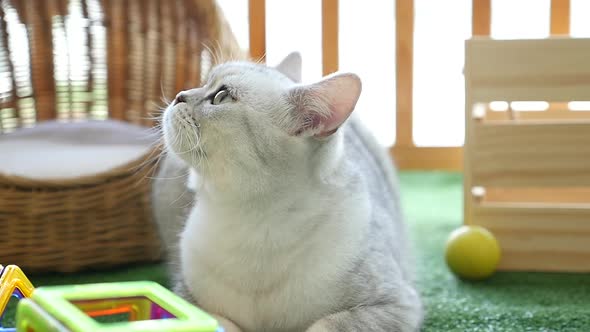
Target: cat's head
(249, 116)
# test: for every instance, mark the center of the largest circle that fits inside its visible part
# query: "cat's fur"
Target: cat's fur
(296, 224)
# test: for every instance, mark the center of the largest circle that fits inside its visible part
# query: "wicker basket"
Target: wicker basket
(78, 60)
(87, 221)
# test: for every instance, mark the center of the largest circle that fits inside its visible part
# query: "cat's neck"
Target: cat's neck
(322, 171)
(254, 190)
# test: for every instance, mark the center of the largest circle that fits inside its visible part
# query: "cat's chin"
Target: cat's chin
(195, 159)
(192, 157)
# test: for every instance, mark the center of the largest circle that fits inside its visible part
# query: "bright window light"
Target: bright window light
(236, 13)
(520, 19)
(579, 105)
(521, 106)
(373, 59)
(440, 30)
(295, 25)
(499, 106)
(580, 24)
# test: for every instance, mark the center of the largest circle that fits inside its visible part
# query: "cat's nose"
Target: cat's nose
(180, 98)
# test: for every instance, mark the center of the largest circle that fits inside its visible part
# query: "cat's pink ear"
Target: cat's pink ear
(321, 108)
(291, 67)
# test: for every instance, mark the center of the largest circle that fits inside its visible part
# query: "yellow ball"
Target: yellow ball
(472, 252)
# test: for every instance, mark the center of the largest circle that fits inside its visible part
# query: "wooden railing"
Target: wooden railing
(405, 152)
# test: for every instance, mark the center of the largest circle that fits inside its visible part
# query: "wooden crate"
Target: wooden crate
(527, 174)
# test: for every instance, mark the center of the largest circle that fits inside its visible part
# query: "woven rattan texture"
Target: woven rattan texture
(92, 222)
(93, 59)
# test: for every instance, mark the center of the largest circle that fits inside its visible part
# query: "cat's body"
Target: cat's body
(299, 233)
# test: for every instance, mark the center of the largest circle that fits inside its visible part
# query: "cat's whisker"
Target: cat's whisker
(150, 134)
(154, 152)
(195, 146)
(175, 140)
(183, 193)
(190, 202)
(163, 97)
(203, 156)
(156, 155)
(214, 57)
(151, 170)
(156, 129)
(152, 116)
(161, 156)
(193, 141)
(170, 177)
(153, 155)
(222, 58)
(155, 161)
(206, 47)
(157, 106)
(260, 59)
(189, 138)
(211, 54)
(186, 138)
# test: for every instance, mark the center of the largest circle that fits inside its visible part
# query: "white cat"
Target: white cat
(296, 224)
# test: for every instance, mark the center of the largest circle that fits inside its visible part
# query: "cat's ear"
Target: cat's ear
(319, 109)
(291, 67)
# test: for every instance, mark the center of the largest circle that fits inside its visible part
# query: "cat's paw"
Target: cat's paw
(228, 325)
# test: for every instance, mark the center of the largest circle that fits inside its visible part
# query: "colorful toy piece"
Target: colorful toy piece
(13, 282)
(144, 306)
(147, 307)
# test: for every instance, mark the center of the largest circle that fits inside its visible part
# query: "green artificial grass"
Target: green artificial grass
(433, 205)
(506, 301)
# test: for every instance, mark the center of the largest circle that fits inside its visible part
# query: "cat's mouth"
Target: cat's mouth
(182, 116)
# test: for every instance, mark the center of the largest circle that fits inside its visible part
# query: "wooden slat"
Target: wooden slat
(137, 53)
(117, 57)
(554, 69)
(168, 52)
(41, 48)
(554, 195)
(544, 262)
(89, 102)
(555, 88)
(471, 106)
(181, 48)
(404, 36)
(534, 217)
(531, 240)
(329, 36)
(11, 101)
(257, 17)
(194, 57)
(500, 58)
(191, 66)
(154, 57)
(538, 115)
(539, 237)
(67, 107)
(481, 18)
(530, 154)
(560, 17)
(427, 158)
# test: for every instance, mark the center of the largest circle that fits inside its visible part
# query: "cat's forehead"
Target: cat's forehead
(246, 71)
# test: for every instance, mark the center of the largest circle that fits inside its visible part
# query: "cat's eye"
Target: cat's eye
(221, 96)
